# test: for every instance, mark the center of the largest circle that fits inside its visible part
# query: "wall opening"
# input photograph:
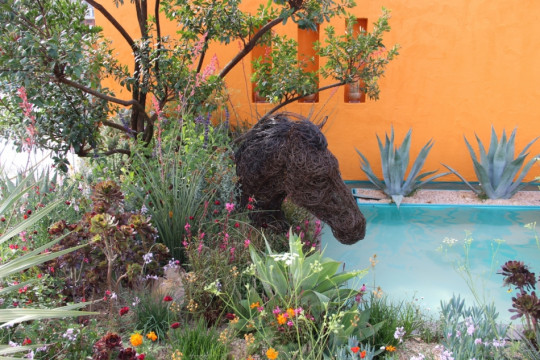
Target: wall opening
(307, 57)
(352, 91)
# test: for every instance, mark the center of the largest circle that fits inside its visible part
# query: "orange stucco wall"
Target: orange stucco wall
(464, 66)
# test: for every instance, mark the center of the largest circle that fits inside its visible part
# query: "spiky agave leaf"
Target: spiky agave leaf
(394, 163)
(497, 169)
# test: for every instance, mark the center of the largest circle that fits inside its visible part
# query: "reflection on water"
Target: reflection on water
(414, 261)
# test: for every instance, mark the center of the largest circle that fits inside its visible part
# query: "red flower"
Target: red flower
(27, 341)
(250, 207)
(25, 217)
(363, 354)
(217, 202)
(236, 225)
(355, 349)
(124, 311)
(29, 212)
(175, 325)
(167, 298)
(68, 202)
(2, 219)
(230, 316)
(141, 357)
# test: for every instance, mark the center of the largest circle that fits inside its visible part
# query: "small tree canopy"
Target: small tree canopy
(51, 64)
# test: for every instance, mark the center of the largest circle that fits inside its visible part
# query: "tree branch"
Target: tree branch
(113, 21)
(97, 94)
(116, 126)
(249, 46)
(294, 98)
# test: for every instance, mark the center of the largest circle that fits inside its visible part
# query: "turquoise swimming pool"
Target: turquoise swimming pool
(420, 249)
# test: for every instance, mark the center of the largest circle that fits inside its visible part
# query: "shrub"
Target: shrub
(497, 169)
(395, 161)
(302, 307)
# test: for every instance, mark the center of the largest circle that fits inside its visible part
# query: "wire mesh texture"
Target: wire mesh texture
(286, 156)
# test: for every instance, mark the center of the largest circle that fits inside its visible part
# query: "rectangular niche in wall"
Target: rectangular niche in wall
(308, 56)
(262, 51)
(352, 91)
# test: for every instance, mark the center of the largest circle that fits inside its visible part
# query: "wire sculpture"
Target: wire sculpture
(286, 156)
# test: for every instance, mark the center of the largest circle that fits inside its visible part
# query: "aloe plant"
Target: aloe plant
(395, 161)
(498, 173)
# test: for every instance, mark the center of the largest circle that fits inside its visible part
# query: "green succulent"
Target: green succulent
(395, 161)
(497, 168)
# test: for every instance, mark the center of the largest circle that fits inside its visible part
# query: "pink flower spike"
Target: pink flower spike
(246, 243)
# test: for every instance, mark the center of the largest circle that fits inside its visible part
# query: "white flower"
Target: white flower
(287, 258)
(419, 357)
(148, 258)
(399, 333)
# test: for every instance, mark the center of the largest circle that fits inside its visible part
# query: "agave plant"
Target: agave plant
(497, 171)
(8, 317)
(395, 161)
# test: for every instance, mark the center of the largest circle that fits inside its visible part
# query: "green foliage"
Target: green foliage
(471, 332)
(190, 170)
(395, 161)
(196, 342)
(498, 173)
(153, 313)
(302, 303)
(392, 315)
(358, 57)
(32, 258)
(51, 63)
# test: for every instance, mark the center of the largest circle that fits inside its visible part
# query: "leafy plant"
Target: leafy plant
(391, 315)
(394, 161)
(471, 332)
(11, 316)
(302, 307)
(498, 173)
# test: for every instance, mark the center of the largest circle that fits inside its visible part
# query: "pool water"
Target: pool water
(420, 250)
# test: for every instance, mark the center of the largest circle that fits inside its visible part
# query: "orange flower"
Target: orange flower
(136, 339)
(363, 354)
(152, 336)
(355, 349)
(390, 348)
(281, 319)
(290, 311)
(255, 305)
(272, 354)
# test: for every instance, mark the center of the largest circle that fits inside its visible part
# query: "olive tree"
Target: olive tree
(52, 64)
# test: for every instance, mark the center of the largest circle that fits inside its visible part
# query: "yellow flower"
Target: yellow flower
(281, 319)
(272, 354)
(290, 311)
(136, 339)
(255, 305)
(152, 336)
(177, 355)
(390, 348)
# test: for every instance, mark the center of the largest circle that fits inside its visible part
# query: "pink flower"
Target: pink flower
(229, 207)
(187, 226)
(199, 248)
(276, 311)
(290, 323)
(246, 243)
